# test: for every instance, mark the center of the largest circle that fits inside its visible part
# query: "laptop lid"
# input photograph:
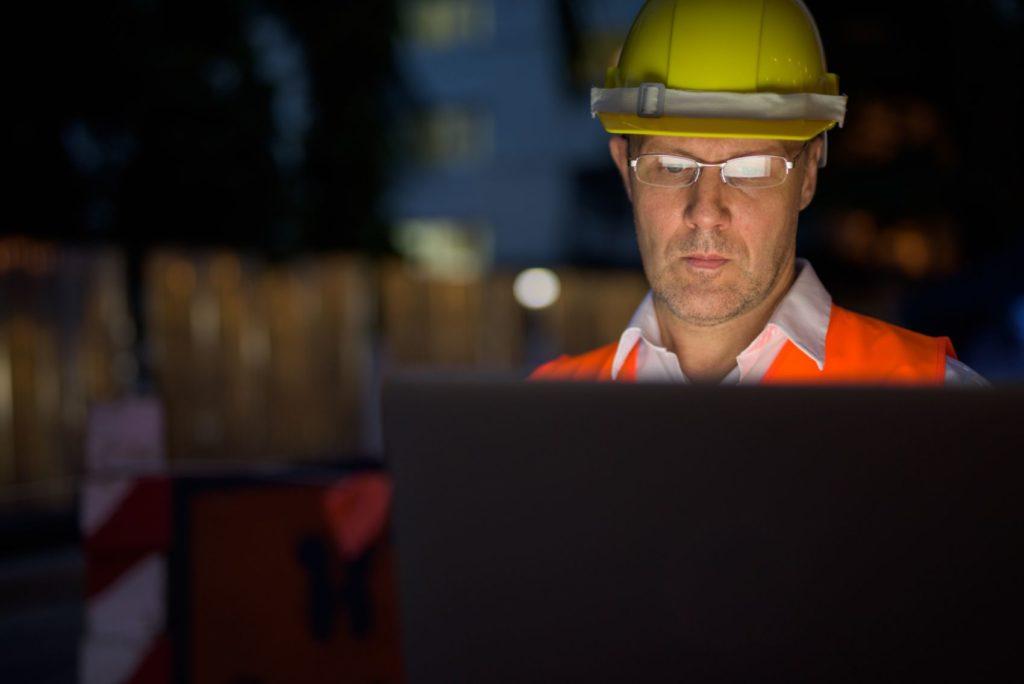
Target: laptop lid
(602, 532)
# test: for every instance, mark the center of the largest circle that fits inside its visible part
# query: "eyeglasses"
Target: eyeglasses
(674, 171)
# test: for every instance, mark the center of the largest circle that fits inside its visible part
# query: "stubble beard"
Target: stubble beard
(701, 299)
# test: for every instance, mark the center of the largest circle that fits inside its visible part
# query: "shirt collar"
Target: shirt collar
(802, 316)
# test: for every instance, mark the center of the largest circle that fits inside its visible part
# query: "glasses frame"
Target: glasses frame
(790, 163)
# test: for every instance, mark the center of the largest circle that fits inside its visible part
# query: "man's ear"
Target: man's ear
(815, 149)
(619, 147)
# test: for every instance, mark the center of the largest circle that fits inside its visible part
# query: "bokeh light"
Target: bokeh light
(537, 288)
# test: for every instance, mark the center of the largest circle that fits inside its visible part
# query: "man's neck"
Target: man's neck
(708, 353)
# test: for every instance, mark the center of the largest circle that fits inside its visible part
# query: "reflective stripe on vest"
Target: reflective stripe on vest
(858, 350)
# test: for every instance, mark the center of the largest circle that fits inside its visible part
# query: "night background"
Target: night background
(253, 212)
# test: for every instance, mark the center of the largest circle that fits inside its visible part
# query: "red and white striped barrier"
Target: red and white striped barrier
(125, 521)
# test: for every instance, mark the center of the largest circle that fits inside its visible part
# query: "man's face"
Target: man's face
(711, 251)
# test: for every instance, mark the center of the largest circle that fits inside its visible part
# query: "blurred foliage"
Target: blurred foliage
(142, 122)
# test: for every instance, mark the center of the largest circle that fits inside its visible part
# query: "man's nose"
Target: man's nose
(706, 201)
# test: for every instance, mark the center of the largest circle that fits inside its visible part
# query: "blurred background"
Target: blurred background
(252, 211)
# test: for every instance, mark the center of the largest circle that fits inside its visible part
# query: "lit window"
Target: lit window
(449, 135)
(442, 24)
(445, 249)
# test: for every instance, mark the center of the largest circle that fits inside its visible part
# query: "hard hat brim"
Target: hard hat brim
(690, 127)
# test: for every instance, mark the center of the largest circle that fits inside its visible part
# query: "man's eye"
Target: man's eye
(675, 166)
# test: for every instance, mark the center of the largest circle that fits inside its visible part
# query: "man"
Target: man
(719, 111)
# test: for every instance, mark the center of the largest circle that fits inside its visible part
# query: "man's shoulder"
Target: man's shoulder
(871, 332)
(876, 334)
(592, 365)
(894, 351)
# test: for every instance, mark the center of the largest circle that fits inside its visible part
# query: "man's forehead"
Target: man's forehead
(713, 149)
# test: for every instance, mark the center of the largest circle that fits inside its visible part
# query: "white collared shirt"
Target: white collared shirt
(801, 317)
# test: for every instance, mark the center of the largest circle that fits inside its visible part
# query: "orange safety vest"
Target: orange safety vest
(858, 350)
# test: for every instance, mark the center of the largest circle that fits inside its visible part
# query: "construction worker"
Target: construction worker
(719, 111)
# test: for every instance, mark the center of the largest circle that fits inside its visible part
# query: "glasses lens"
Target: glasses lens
(666, 170)
(757, 171)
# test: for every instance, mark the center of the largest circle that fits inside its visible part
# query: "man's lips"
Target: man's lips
(706, 261)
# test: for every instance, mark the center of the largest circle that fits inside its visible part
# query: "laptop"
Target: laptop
(610, 532)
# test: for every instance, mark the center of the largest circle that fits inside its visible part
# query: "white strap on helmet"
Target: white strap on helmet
(653, 100)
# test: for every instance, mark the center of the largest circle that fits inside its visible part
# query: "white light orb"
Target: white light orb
(537, 288)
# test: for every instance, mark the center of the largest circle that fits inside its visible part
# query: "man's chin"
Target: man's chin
(704, 307)
(706, 319)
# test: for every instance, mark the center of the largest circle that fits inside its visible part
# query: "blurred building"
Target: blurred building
(497, 140)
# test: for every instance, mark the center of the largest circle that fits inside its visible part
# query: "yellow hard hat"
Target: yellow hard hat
(721, 69)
